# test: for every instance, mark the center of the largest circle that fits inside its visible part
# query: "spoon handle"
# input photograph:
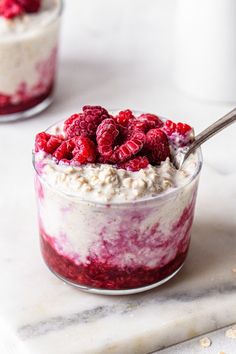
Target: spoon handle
(220, 124)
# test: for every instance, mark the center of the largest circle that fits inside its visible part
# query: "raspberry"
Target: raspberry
(169, 127)
(124, 117)
(77, 151)
(10, 9)
(181, 128)
(70, 121)
(143, 126)
(138, 125)
(144, 123)
(107, 133)
(84, 151)
(47, 142)
(157, 146)
(86, 123)
(30, 6)
(130, 147)
(152, 120)
(64, 151)
(135, 164)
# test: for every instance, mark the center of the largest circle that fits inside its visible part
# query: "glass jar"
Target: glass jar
(28, 62)
(115, 248)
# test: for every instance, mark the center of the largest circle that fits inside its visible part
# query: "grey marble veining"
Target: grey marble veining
(58, 323)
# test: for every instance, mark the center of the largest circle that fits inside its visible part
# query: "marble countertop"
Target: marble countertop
(219, 344)
(41, 315)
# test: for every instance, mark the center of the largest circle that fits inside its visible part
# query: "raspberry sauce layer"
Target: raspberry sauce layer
(6, 107)
(100, 275)
(100, 271)
(27, 96)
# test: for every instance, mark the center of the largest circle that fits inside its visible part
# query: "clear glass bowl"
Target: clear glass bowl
(28, 64)
(116, 248)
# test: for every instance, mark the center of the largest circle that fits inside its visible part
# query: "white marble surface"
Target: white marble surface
(219, 344)
(104, 60)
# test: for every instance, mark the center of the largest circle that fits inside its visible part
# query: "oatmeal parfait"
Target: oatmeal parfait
(28, 55)
(115, 215)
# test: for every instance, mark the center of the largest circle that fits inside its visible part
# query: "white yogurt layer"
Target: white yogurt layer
(28, 43)
(106, 183)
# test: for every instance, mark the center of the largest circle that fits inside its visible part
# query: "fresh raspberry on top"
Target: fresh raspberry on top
(70, 121)
(136, 124)
(65, 150)
(30, 6)
(157, 146)
(126, 141)
(123, 118)
(169, 127)
(106, 135)
(84, 151)
(135, 164)
(86, 123)
(76, 151)
(153, 120)
(47, 142)
(143, 126)
(181, 128)
(10, 9)
(144, 123)
(130, 148)
(179, 134)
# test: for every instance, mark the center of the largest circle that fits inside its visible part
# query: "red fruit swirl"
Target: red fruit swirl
(100, 275)
(26, 96)
(7, 107)
(99, 271)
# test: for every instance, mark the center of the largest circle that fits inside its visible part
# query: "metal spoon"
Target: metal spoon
(181, 155)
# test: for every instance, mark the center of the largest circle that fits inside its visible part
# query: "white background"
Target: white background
(121, 54)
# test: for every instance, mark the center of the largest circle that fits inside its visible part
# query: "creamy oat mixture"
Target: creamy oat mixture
(105, 183)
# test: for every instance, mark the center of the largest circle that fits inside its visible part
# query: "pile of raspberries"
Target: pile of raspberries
(123, 140)
(13, 8)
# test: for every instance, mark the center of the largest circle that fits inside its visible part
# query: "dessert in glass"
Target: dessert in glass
(115, 215)
(29, 32)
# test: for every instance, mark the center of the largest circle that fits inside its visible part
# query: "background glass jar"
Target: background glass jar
(115, 248)
(28, 62)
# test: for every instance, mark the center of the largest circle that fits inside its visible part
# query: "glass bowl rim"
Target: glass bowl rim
(167, 194)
